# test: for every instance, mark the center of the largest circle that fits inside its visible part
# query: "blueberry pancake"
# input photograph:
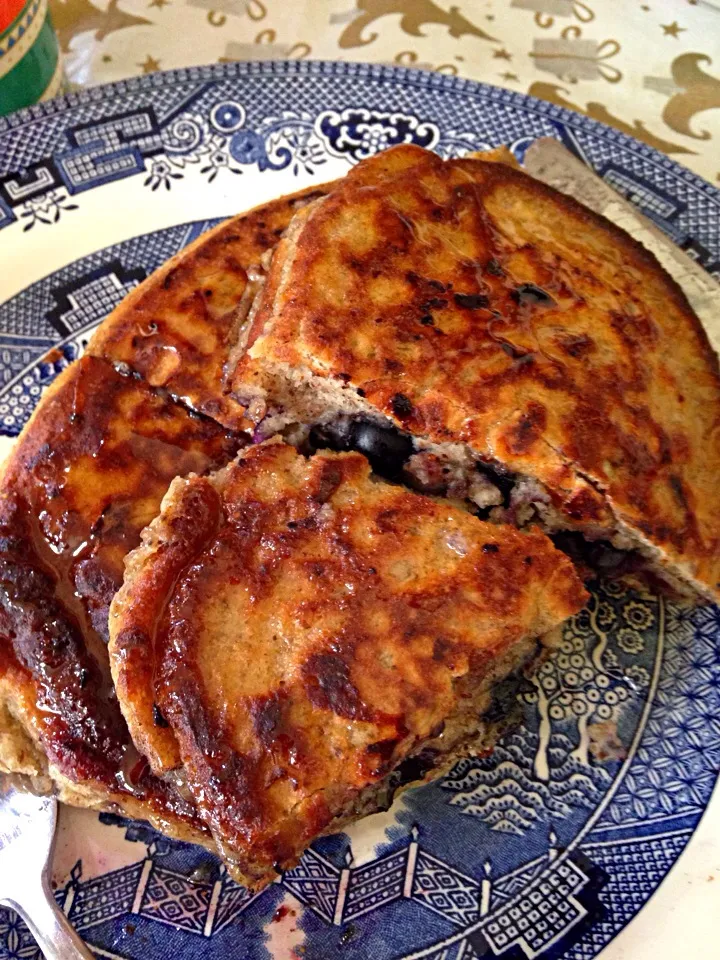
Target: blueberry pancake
(182, 329)
(485, 337)
(294, 636)
(87, 475)
(177, 330)
(303, 628)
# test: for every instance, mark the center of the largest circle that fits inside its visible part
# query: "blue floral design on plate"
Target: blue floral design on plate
(550, 845)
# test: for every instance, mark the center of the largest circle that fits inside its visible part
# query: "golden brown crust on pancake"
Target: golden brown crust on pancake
(177, 329)
(388, 164)
(85, 477)
(500, 154)
(20, 751)
(313, 627)
(143, 606)
(507, 317)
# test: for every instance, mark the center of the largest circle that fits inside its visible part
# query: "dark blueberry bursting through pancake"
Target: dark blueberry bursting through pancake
(389, 451)
(412, 769)
(597, 557)
(387, 448)
(401, 406)
(503, 710)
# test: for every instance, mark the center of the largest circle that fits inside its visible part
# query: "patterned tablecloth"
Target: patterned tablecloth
(650, 68)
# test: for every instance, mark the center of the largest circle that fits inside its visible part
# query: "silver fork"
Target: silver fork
(27, 835)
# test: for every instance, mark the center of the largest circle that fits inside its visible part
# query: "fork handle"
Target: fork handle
(49, 925)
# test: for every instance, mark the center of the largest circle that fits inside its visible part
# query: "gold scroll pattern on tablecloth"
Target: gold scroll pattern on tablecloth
(651, 69)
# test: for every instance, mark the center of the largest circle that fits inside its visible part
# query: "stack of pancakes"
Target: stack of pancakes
(319, 484)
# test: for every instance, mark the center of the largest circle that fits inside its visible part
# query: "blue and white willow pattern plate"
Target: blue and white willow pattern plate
(544, 849)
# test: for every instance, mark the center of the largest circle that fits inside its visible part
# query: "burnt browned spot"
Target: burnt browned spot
(530, 293)
(441, 648)
(387, 520)
(326, 678)
(267, 715)
(638, 455)
(434, 303)
(576, 345)
(676, 485)
(401, 406)
(471, 301)
(634, 330)
(528, 429)
(327, 481)
(494, 269)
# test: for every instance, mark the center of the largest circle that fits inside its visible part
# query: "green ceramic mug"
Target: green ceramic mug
(30, 64)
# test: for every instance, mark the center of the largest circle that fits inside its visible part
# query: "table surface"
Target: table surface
(648, 67)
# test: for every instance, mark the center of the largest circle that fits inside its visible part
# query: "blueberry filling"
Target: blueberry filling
(596, 557)
(414, 768)
(502, 480)
(390, 450)
(386, 448)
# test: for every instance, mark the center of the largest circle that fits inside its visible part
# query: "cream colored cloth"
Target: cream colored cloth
(647, 67)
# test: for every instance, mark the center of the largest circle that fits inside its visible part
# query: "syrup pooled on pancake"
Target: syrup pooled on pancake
(178, 329)
(84, 479)
(292, 629)
(501, 327)
(312, 628)
(183, 326)
(74, 500)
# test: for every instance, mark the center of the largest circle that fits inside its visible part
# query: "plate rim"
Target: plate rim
(403, 76)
